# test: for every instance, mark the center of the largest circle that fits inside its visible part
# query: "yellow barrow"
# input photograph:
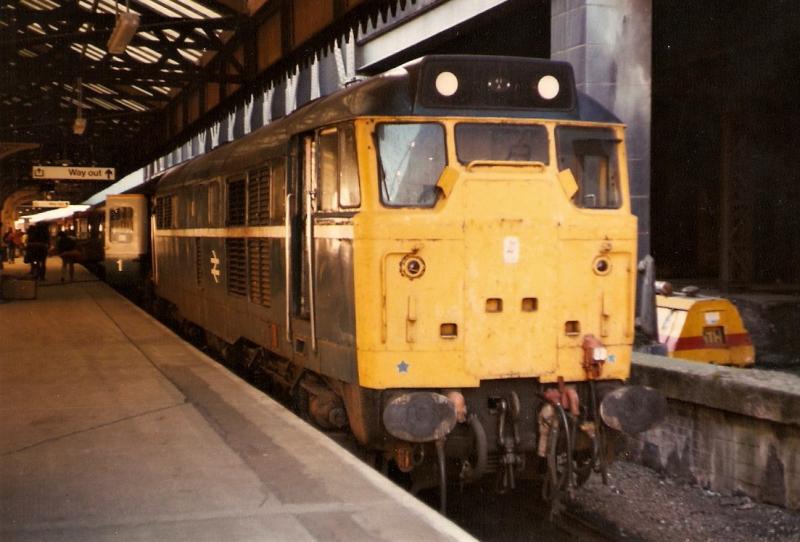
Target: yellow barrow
(704, 329)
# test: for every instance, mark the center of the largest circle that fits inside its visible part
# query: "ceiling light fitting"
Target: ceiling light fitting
(124, 30)
(79, 126)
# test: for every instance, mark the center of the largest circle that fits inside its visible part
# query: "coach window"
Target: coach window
(592, 156)
(236, 203)
(120, 224)
(411, 159)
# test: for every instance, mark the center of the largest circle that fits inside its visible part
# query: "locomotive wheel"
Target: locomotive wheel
(566, 468)
(473, 467)
(583, 467)
(556, 480)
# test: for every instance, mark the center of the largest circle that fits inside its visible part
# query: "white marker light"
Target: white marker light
(548, 87)
(446, 83)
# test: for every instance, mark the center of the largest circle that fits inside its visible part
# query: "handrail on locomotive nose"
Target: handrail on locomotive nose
(541, 166)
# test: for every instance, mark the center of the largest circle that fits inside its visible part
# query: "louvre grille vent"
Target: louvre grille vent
(258, 197)
(164, 212)
(236, 266)
(198, 261)
(236, 202)
(260, 287)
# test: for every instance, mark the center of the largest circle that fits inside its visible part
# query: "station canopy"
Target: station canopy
(66, 100)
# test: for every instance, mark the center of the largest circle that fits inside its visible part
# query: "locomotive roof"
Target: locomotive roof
(397, 92)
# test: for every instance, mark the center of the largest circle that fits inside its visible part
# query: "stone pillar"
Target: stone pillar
(608, 43)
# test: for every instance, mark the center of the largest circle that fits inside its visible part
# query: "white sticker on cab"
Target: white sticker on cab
(712, 318)
(511, 249)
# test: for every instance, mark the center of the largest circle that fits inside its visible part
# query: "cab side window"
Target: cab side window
(328, 180)
(349, 191)
(592, 156)
(337, 181)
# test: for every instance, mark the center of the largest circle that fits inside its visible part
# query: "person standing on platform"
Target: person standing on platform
(67, 248)
(10, 240)
(19, 241)
(38, 245)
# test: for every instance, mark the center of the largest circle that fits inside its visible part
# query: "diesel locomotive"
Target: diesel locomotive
(440, 259)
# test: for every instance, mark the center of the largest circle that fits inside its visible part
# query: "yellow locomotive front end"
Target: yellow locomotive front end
(494, 266)
(509, 270)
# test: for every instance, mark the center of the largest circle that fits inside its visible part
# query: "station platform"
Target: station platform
(112, 427)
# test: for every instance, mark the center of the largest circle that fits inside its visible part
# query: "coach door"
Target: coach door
(300, 279)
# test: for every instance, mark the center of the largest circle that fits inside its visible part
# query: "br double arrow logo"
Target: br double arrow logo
(215, 272)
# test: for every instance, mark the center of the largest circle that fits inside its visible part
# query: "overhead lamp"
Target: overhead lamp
(79, 126)
(124, 30)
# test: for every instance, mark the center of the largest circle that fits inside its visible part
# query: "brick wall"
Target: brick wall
(608, 43)
(728, 430)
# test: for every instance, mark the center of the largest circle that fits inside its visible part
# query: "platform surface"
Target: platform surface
(111, 427)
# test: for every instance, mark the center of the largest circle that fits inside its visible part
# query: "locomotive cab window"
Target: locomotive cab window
(592, 156)
(501, 142)
(338, 170)
(411, 158)
(120, 224)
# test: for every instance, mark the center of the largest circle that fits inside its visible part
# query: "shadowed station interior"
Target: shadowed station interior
(504, 246)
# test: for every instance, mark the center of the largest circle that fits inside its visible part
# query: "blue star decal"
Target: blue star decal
(402, 367)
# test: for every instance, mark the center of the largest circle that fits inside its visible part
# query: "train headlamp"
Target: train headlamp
(548, 87)
(446, 83)
(601, 265)
(412, 266)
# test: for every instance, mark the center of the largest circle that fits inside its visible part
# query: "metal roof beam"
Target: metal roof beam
(58, 67)
(100, 36)
(438, 19)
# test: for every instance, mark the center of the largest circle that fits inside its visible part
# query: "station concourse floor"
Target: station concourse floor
(111, 427)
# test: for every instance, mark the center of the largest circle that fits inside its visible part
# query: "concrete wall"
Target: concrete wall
(729, 430)
(608, 43)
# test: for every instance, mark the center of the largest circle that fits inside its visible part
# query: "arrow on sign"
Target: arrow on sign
(215, 266)
(109, 174)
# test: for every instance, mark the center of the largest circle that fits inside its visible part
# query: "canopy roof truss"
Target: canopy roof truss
(188, 59)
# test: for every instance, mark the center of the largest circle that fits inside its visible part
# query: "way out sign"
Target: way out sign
(76, 173)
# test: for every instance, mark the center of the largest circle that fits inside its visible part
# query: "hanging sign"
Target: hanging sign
(48, 204)
(74, 173)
